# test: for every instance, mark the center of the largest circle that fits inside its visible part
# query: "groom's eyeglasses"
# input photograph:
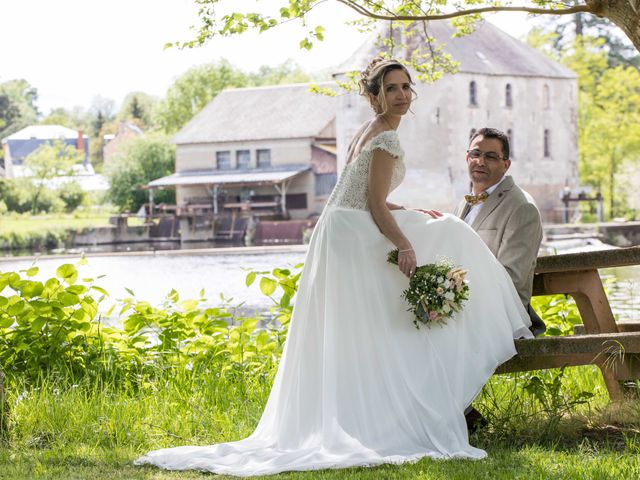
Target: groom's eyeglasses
(491, 156)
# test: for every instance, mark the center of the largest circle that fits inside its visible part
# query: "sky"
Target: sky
(75, 50)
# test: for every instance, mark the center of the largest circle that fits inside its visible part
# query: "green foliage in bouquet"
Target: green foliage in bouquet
(436, 290)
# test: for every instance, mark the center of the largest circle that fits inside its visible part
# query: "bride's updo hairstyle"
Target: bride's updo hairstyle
(371, 83)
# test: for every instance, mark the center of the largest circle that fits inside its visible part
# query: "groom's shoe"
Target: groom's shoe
(537, 325)
(474, 419)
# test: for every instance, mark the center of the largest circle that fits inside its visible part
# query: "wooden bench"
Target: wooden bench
(613, 347)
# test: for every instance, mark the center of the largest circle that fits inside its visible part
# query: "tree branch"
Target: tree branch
(471, 11)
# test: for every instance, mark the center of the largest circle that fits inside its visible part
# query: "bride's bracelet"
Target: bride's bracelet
(405, 251)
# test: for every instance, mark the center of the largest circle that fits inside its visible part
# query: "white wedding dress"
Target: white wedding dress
(358, 384)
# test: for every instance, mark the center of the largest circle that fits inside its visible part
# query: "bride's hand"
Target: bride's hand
(431, 213)
(407, 261)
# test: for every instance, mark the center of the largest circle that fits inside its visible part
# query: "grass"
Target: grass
(27, 224)
(94, 430)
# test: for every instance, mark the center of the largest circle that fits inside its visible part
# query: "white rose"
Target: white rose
(449, 296)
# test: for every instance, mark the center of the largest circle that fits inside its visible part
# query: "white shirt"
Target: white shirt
(475, 209)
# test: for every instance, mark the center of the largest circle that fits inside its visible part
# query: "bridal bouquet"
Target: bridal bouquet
(436, 290)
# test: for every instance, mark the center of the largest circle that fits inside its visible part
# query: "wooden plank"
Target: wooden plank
(578, 344)
(618, 257)
(617, 355)
(622, 327)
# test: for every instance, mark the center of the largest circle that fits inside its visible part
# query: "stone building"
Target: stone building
(501, 82)
(114, 143)
(257, 151)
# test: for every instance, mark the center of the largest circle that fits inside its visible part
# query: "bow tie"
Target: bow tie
(474, 199)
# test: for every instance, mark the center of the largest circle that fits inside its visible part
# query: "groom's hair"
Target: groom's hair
(488, 132)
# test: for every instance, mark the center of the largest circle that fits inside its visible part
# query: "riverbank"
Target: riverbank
(217, 251)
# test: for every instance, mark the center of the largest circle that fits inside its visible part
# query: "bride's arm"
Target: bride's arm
(394, 206)
(380, 171)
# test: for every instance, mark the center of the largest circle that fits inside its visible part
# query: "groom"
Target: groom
(503, 215)
(507, 220)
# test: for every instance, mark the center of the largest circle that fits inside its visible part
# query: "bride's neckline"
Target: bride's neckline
(353, 158)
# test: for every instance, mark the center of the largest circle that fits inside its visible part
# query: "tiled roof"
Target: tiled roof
(488, 51)
(284, 111)
(44, 132)
(230, 177)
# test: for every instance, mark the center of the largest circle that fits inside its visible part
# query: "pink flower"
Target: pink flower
(439, 290)
(433, 315)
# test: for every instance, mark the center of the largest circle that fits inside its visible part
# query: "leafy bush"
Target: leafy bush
(55, 327)
(72, 194)
(143, 160)
(18, 195)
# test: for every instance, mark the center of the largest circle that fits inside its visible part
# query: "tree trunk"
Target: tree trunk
(624, 13)
(579, 24)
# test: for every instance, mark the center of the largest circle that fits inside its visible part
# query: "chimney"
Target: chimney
(80, 146)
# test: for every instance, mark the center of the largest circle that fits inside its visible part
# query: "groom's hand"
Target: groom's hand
(431, 213)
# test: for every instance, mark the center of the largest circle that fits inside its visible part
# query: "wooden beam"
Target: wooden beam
(617, 257)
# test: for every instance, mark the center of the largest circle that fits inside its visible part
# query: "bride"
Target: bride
(357, 384)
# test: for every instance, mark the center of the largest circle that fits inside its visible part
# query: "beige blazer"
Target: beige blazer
(509, 223)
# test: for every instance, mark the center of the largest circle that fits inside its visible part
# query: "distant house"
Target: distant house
(113, 143)
(264, 151)
(501, 82)
(20, 145)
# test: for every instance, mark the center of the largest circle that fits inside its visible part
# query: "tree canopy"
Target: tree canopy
(623, 13)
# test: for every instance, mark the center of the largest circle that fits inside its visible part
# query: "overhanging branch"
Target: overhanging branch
(471, 11)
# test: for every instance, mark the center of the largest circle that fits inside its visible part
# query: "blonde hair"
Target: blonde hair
(371, 83)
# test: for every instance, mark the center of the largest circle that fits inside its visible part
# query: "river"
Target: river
(152, 276)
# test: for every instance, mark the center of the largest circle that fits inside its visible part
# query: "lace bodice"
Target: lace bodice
(351, 191)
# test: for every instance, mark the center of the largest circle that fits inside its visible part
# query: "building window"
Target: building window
(473, 94)
(545, 96)
(510, 138)
(325, 182)
(296, 201)
(243, 159)
(547, 143)
(508, 96)
(223, 160)
(264, 158)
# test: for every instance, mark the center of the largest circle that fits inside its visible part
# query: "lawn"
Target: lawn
(86, 431)
(26, 224)
(84, 400)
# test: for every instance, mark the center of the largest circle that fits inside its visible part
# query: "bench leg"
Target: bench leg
(586, 288)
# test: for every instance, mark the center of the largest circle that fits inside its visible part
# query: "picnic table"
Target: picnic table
(601, 341)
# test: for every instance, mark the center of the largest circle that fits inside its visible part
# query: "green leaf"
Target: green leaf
(38, 323)
(6, 322)
(30, 289)
(306, 44)
(173, 296)
(285, 301)
(189, 305)
(129, 291)
(267, 286)
(67, 299)
(251, 277)
(32, 272)
(77, 289)
(100, 289)
(68, 273)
